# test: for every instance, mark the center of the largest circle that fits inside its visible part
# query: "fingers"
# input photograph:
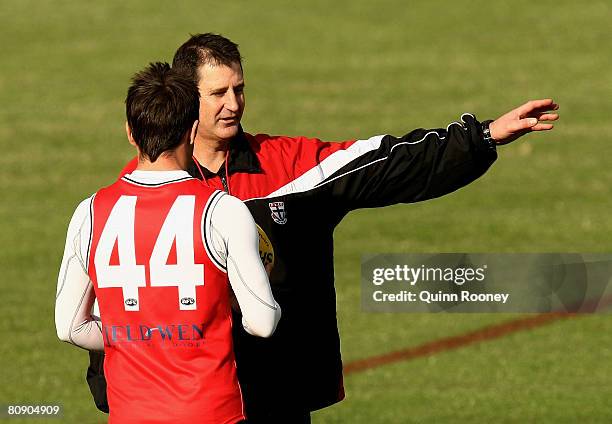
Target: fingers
(532, 124)
(542, 127)
(542, 105)
(545, 116)
(535, 115)
(522, 125)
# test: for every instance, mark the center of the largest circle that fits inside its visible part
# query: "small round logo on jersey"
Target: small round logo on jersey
(187, 300)
(131, 302)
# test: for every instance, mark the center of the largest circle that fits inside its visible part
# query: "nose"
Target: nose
(232, 101)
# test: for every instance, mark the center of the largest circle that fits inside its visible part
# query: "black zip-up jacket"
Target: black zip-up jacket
(298, 190)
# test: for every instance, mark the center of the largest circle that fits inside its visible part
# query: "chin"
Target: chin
(228, 132)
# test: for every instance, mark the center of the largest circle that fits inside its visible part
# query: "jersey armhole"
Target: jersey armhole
(91, 229)
(206, 229)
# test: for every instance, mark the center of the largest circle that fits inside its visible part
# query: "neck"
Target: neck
(211, 154)
(175, 160)
(158, 165)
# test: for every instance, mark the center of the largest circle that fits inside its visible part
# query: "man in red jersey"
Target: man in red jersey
(156, 249)
(298, 189)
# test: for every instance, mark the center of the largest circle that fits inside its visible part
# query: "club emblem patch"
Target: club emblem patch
(279, 215)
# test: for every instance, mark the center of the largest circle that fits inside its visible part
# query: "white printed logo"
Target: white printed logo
(279, 215)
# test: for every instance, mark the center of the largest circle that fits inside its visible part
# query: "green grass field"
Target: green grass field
(334, 70)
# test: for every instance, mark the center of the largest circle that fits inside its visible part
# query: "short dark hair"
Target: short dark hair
(201, 49)
(161, 106)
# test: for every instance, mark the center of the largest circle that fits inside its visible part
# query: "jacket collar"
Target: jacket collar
(242, 158)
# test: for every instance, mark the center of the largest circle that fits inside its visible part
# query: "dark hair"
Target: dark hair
(161, 106)
(203, 49)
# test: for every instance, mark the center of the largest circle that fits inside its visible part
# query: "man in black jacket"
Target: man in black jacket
(298, 190)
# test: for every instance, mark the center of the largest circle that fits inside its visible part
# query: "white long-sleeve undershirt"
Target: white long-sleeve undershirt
(235, 244)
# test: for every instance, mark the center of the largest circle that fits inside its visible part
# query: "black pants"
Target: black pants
(96, 381)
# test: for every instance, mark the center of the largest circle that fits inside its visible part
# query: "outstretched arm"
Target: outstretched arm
(423, 164)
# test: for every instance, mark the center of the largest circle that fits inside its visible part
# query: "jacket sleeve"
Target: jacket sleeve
(421, 165)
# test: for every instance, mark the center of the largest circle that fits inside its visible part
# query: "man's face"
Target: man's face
(221, 101)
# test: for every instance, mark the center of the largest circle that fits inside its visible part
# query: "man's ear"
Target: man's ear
(130, 137)
(128, 131)
(194, 131)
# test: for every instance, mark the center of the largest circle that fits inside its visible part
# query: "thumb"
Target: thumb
(524, 124)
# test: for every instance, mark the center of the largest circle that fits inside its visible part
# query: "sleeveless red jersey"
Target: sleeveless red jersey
(164, 304)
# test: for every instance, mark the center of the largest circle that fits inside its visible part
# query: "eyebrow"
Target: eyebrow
(224, 89)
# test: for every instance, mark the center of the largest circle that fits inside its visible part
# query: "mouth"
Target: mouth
(229, 121)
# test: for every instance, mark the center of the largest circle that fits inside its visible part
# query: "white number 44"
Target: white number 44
(130, 276)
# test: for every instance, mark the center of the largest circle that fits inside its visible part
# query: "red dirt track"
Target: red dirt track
(454, 342)
(483, 334)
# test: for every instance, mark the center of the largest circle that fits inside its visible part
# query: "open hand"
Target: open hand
(534, 115)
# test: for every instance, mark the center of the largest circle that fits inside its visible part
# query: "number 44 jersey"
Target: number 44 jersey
(164, 301)
(159, 274)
